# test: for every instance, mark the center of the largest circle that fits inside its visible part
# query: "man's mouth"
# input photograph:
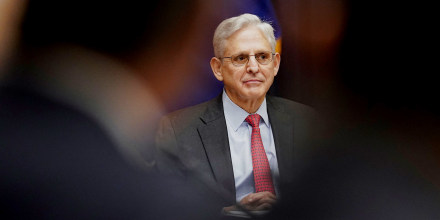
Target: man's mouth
(252, 81)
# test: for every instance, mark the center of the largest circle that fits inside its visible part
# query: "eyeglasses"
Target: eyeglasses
(262, 58)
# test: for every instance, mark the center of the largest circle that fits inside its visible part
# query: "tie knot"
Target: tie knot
(253, 120)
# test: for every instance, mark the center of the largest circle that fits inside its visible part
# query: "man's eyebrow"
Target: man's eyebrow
(263, 51)
(256, 52)
(241, 53)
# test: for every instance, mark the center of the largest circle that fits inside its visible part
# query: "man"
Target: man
(76, 114)
(242, 142)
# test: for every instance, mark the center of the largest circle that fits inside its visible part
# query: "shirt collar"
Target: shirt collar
(235, 115)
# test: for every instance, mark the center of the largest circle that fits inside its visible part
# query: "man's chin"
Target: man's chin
(253, 95)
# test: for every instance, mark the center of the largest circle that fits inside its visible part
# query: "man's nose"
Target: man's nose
(252, 65)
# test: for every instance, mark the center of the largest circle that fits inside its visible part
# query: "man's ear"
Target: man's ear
(276, 63)
(216, 65)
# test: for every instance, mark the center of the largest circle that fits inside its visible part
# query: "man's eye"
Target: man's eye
(262, 56)
(240, 58)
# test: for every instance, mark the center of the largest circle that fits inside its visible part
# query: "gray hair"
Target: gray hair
(231, 25)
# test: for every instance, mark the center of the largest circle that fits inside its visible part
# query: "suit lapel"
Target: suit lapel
(282, 125)
(214, 136)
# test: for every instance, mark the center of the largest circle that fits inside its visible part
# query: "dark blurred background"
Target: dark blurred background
(368, 67)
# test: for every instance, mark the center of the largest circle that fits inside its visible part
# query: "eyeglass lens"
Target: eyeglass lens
(262, 58)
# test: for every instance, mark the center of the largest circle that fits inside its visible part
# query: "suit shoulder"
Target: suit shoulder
(189, 116)
(291, 106)
(191, 111)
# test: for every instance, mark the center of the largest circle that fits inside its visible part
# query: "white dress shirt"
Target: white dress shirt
(239, 135)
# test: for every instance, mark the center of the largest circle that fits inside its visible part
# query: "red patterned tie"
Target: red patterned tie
(262, 175)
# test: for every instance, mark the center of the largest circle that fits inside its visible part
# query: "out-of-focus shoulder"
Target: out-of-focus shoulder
(284, 104)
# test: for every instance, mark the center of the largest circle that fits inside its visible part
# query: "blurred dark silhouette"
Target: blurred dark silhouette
(78, 113)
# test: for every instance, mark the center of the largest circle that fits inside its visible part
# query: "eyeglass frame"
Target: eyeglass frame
(271, 59)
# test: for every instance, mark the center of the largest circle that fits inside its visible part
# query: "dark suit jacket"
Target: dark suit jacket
(194, 141)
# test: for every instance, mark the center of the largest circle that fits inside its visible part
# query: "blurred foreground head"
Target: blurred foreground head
(109, 59)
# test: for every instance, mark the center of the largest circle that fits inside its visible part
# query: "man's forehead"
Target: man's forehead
(246, 40)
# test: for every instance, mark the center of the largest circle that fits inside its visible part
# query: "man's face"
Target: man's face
(249, 82)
